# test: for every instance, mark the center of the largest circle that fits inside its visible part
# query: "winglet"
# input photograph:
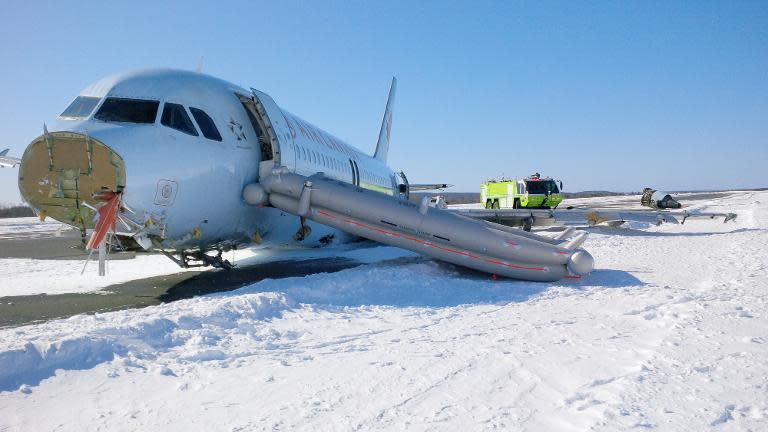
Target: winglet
(382, 146)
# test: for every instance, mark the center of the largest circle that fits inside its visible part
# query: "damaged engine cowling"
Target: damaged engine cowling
(658, 199)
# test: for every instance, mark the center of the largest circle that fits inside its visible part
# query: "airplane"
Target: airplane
(8, 161)
(187, 164)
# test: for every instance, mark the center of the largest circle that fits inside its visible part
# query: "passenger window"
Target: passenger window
(81, 107)
(206, 124)
(175, 117)
(128, 110)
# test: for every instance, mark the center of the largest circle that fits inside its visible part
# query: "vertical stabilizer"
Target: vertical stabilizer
(5, 152)
(382, 146)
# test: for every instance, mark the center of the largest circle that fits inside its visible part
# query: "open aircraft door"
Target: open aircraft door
(268, 121)
(403, 186)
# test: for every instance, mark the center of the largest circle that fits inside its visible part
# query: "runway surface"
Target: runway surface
(65, 245)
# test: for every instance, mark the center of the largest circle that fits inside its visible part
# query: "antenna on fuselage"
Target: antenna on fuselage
(199, 68)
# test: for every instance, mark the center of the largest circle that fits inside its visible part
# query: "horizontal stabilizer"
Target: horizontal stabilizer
(428, 186)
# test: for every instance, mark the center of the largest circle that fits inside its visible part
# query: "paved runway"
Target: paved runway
(19, 310)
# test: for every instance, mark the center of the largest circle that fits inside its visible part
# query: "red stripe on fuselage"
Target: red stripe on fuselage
(426, 243)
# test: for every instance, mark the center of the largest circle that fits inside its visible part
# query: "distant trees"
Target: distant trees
(15, 211)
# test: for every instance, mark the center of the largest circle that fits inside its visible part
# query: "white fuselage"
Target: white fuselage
(193, 184)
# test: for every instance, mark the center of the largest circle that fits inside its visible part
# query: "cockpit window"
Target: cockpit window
(174, 116)
(207, 126)
(81, 107)
(128, 110)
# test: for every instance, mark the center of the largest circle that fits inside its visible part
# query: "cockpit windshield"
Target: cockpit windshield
(81, 107)
(128, 110)
(542, 187)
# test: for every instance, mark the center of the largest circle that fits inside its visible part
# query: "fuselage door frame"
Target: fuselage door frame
(404, 188)
(257, 111)
(355, 172)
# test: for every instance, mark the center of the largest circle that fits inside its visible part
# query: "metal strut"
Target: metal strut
(304, 230)
(194, 259)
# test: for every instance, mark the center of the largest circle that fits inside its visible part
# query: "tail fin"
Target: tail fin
(4, 152)
(382, 146)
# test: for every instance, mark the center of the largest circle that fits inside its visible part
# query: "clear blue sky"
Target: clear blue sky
(613, 95)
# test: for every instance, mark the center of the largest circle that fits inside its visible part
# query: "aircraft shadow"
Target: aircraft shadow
(424, 283)
(427, 283)
(211, 282)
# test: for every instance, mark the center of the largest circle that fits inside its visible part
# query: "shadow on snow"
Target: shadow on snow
(401, 282)
(420, 282)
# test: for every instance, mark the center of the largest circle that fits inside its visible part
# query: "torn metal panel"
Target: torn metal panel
(61, 170)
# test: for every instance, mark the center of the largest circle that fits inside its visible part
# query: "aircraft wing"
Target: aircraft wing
(428, 186)
(8, 161)
(527, 218)
(595, 216)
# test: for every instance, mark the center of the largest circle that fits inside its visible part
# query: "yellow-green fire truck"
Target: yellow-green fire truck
(529, 192)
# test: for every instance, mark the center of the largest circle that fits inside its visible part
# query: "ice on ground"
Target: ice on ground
(669, 333)
(29, 227)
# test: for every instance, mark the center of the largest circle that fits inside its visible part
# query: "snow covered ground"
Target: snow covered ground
(29, 227)
(30, 276)
(670, 333)
(33, 276)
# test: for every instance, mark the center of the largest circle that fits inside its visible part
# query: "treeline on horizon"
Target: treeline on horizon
(15, 211)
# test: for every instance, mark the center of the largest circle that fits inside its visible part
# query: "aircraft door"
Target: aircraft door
(269, 146)
(355, 173)
(403, 187)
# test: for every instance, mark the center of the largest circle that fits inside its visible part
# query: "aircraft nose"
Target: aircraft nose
(61, 170)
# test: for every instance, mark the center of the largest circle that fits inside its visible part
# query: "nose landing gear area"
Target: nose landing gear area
(61, 170)
(197, 258)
